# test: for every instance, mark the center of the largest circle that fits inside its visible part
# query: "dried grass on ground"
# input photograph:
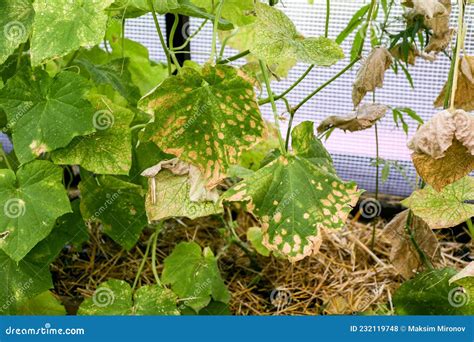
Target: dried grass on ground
(345, 277)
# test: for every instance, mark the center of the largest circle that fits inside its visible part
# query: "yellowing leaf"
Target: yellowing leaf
(444, 148)
(403, 255)
(447, 208)
(464, 97)
(205, 119)
(456, 163)
(62, 26)
(364, 117)
(371, 74)
(296, 196)
(277, 40)
(177, 188)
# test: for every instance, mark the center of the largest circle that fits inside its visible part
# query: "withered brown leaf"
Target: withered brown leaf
(364, 117)
(464, 97)
(403, 254)
(439, 24)
(371, 74)
(457, 163)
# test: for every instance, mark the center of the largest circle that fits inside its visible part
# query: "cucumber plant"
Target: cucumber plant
(151, 141)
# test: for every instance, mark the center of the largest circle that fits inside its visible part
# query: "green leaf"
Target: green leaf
(356, 20)
(111, 144)
(44, 304)
(46, 113)
(194, 275)
(412, 114)
(21, 281)
(117, 204)
(446, 208)
(114, 297)
(305, 145)
(145, 73)
(173, 200)
(430, 293)
(236, 11)
(62, 26)
(16, 19)
(115, 73)
(70, 229)
(255, 237)
(206, 120)
(32, 200)
(277, 40)
(295, 196)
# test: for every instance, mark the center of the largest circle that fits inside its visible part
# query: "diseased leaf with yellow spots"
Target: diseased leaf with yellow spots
(295, 196)
(205, 119)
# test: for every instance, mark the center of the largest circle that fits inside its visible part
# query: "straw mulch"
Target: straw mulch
(345, 277)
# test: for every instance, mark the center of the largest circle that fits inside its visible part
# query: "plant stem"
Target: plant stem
(367, 27)
(328, 13)
(459, 44)
(214, 31)
(234, 58)
(335, 77)
(470, 226)
(153, 256)
(263, 67)
(424, 259)
(195, 33)
(293, 86)
(142, 264)
(160, 35)
(4, 156)
(171, 41)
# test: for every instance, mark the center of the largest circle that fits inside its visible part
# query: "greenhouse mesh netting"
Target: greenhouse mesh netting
(352, 153)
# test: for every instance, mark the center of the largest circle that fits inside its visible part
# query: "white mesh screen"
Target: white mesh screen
(352, 152)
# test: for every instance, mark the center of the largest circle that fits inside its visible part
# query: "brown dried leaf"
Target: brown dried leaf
(438, 173)
(371, 74)
(464, 98)
(437, 135)
(429, 8)
(403, 254)
(365, 117)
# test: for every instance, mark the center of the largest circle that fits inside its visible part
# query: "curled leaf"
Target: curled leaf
(177, 188)
(444, 148)
(364, 117)
(436, 136)
(464, 97)
(439, 24)
(403, 255)
(429, 8)
(438, 173)
(371, 74)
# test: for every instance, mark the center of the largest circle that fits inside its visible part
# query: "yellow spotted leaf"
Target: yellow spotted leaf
(294, 197)
(206, 119)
